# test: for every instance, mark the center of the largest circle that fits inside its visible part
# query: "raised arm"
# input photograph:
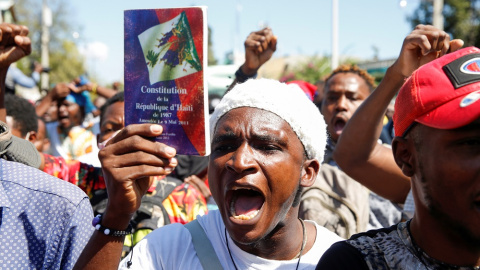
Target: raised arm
(14, 44)
(259, 48)
(59, 91)
(128, 161)
(95, 88)
(357, 152)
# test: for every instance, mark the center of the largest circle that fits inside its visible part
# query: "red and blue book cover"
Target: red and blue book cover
(165, 60)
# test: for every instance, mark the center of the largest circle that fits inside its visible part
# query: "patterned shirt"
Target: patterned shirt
(44, 223)
(389, 248)
(79, 141)
(182, 205)
(70, 144)
(85, 176)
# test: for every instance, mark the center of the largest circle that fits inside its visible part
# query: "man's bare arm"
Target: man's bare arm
(128, 161)
(358, 153)
(14, 44)
(259, 48)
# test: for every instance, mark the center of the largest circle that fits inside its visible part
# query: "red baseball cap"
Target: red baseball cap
(442, 94)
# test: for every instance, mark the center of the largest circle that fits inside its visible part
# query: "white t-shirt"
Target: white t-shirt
(170, 247)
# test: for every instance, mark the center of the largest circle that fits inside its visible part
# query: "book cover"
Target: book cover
(165, 60)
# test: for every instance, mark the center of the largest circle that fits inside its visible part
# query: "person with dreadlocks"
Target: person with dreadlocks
(437, 129)
(338, 202)
(345, 90)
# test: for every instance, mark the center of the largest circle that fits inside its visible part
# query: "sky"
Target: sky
(303, 27)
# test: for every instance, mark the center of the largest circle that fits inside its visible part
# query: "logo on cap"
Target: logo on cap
(464, 70)
(472, 66)
(470, 99)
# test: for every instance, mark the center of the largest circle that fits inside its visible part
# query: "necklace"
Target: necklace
(299, 255)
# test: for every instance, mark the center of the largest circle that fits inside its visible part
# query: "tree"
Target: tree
(312, 70)
(66, 70)
(65, 61)
(211, 58)
(462, 19)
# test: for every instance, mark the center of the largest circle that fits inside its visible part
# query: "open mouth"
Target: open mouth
(245, 203)
(62, 115)
(339, 125)
(63, 119)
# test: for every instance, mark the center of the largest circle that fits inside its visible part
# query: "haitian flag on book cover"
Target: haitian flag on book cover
(165, 59)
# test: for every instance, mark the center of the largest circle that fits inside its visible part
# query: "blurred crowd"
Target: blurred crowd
(297, 171)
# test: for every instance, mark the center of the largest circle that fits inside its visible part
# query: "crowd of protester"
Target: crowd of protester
(300, 176)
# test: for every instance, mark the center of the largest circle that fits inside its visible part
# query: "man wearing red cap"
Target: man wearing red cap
(437, 145)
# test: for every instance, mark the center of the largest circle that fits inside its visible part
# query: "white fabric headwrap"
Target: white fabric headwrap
(289, 102)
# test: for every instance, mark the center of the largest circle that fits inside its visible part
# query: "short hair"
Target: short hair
(350, 68)
(118, 97)
(22, 112)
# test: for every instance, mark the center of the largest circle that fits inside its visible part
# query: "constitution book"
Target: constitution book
(165, 60)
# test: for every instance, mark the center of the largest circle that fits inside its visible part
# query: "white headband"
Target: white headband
(289, 102)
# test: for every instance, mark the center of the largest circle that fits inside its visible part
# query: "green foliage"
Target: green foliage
(29, 13)
(462, 19)
(312, 70)
(211, 58)
(62, 70)
(64, 57)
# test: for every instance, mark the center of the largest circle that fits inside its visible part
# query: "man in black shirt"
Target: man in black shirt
(437, 145)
